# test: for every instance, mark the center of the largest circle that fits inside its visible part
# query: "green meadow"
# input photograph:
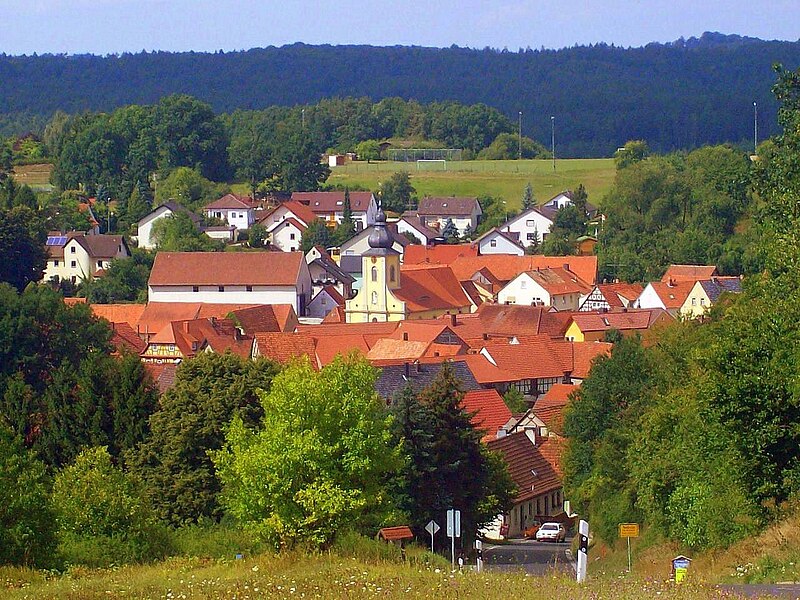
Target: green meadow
(501, 178)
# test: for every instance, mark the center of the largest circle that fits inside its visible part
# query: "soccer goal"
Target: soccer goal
(423, 163)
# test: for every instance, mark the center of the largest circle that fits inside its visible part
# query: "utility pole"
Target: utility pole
(755, 127)
(303, 118)
(519, 149)
(553, 139)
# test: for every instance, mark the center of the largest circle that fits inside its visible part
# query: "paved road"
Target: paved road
(784, 590)
(537, 558)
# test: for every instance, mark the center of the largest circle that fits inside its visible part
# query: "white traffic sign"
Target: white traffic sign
(432, 527)
(453, 523)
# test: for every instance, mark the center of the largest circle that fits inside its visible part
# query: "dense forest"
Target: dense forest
(676, 96)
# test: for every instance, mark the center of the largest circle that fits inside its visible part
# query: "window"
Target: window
(544, 384)
(248, 288)
(99, 264)
(530, 223)
(221, 288)
(55, 263)
(73, 264)
(72, 249)
(694, 301)
(531, 236)
(563, 299)
(195, 288)
(374, 297)
(324, 301)
(391, 273)
(523, 284)
(374, 274)
(291, 236)
(702, 301)
(493, 243)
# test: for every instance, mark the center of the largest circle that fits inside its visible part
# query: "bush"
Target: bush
(212, 540)
(102, 551)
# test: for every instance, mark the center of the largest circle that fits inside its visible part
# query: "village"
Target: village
(520, 330)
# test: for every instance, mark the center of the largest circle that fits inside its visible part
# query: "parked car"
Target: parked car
(551, 532)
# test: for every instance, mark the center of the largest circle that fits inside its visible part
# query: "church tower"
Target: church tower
(380, 270)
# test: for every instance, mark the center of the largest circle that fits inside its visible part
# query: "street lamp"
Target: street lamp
(755, 127)
(553, 139)
(519, 149)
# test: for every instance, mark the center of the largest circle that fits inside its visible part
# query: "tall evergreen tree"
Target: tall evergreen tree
(528, 199)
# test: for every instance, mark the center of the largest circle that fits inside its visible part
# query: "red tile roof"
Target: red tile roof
(124, 338)
(631, 319)
(119, 313)
(393, 349)
(284, 347)
(490, 411)
(485, 372)
(332, 202)
(157, 315)
(550, 407)
(558, 281)
(673, 295)
(505, 267)
(430, 288)
(532, 358)
(232, 201)
(334, 294)
(614, 292)
(688, 273)
(301, 211)
(442, 254)
(396, 533)
(584, 354)
(530, 470)
(226, 268)
(163, 375)
(336, 315)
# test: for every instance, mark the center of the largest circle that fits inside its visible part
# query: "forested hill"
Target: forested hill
(677, 95)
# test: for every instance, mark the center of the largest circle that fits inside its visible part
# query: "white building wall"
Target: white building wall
(526, 224)
(524, 291)
(282, 237)
(321, 305)
(241, 218)
(145, 234)
(648, 299)
(232, 294)
(404, 227)
(461, 223)
(497, 244)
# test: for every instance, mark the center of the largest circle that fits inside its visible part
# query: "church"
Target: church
(389, 293)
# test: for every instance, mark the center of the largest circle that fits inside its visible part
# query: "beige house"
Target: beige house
(76, 256)
(705, 293)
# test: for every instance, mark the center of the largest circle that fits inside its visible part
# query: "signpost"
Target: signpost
(479, 548)
(432, 527)
(453, 531)
(629, 530)
(583, 550)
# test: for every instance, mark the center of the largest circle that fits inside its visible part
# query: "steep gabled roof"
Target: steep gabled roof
(284, 347)
(496, 231)
(119, 313)
(490, 411)
(393, 378)
(227, 268)
(624, 320)
(124, 338)
(532, 473)
(440, 254)
(584, 355)
(534, 357)
(677, 273)
(430, 288)
(716, 286)
(448, 207)
(301, 211)
(557, 281)
(413, 220)
(506, 266)
(550, 407)
(673, 295)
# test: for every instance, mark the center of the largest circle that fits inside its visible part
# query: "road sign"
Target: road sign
(432, 527)
(583, 550)
(453, 523)
(628, 530)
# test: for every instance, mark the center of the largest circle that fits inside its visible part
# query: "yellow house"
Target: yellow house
(592, 326)
(705, 293)
(386, 294)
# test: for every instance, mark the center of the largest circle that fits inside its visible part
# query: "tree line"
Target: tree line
(695, 433)
(676, 96)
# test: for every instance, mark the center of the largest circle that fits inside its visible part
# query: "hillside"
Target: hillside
(678, 95)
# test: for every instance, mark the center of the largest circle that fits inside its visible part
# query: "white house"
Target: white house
(495, 241)
(534, 223)
(329, 206)
(286, 210)
(464, 212)
(326, 273)
(556, 287)
(238, 211)
(410, 223)
(324, 302)
(287, 235)
(77, 257)
(144, 236)
(231, 278)
(670, 295)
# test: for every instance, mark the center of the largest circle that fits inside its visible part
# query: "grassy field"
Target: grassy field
(36, 176)
(505, 179)
(329, 576)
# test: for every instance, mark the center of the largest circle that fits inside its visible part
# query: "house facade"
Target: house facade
(287, 235)
(530, 225)
(496, 241)
(238, 211)
(329, 206)
(556, 287)
(79, 257)
(231, 278)
(465, 213)
(704, 294)
(607, 296)
(410, 223)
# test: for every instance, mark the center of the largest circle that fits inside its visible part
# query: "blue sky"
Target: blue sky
(109, 26)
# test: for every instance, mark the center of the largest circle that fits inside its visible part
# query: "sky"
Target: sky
(115, 26)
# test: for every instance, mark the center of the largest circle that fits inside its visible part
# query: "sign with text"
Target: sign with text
(453, 523)
(628, 530)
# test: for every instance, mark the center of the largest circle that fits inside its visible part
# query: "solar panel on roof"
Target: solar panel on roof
(56, 240)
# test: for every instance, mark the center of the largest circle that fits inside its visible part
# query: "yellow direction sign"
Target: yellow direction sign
(628, 530)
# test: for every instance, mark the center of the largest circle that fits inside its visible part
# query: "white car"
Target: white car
(551, 532)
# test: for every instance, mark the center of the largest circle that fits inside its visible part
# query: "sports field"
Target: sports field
(37, 176)
(502, 178)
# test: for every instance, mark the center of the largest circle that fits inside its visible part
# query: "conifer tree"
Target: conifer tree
(528, 199)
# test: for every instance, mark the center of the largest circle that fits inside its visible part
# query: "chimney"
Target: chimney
(405, 336)
(453, 320)
(186, 326)
(213, 320)
(671, 282)
(485, 336)
(566, 266)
